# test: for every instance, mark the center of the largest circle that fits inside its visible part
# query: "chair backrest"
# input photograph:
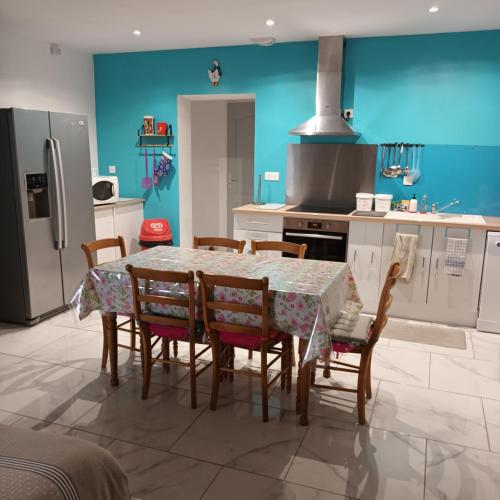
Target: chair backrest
(213, 243)
(385, 301)
(90, 248)
(280, 246)
(214, 305)
(181, 300)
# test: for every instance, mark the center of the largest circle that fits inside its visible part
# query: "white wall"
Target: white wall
(32, 78)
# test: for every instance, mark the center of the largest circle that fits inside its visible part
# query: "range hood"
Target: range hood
(328, 119)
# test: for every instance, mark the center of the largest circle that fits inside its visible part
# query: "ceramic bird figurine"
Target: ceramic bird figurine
(214, 73)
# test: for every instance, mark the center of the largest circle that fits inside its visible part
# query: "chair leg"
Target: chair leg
(216, 347)
(147, 362)
(263, 382)
(176, 348)
(284, 364)
(231, 363)
(192, 372)
(250, 354)
(313, 371)
(290, 363)
(369, 377)
(105, 345)
(293, 352)
(326, 370)
(132, 333)
(165, 347)
(362, 387)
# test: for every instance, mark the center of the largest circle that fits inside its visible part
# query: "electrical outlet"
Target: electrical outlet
(112, 169)
(271, 176)
(348, 114)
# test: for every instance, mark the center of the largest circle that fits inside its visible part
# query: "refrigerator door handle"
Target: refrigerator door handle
(55, 175)
(63, 194)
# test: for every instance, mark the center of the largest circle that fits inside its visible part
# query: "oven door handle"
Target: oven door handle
(315, 235)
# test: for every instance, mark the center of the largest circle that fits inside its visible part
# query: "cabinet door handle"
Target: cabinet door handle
(373, 256)
(437, 263)
(355, 254)
(423, 266)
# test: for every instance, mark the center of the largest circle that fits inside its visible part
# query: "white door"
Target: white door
(240, 156)
(128, 220)
(413, 293)
(364, 257)
(104, 228)
(455, 299)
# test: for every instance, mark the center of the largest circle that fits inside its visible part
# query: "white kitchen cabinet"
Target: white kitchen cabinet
(248, 236)
(410, 298)
(118, 219)
(105, 228)
(364, 257)
(455, 299)
(127, 223)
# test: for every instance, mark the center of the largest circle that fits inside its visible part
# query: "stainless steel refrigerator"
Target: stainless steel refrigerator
(46, 211)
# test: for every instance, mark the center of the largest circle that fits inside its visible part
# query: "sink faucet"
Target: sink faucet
(451, 204)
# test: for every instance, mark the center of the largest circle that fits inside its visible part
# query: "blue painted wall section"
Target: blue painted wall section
(441, 90)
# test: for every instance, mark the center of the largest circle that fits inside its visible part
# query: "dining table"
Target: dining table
(306, 297)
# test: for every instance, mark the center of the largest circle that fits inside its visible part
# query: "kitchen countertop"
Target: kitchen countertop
(447, 220)
(122, 202)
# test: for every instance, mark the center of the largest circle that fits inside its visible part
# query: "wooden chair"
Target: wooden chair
(163, 326)
(89, 249)
(213, 243)
(363, 344)
(226, 335)
(280, 246)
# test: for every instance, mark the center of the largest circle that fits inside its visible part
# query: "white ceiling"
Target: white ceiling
(107, 25)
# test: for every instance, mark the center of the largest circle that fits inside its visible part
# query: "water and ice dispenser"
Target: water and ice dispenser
(37, 192)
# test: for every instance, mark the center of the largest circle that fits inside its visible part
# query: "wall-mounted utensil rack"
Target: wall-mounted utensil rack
(399, 159)
(154, 140)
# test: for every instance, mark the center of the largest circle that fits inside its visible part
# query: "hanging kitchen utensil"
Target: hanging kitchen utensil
(417, 173)
(382, 160)
(146, 182)
(155, 169)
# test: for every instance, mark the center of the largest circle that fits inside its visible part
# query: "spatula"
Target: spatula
(146, 182)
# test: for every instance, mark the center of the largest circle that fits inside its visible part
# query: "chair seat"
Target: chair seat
(171, 332)
(357, 337)
(249, 341)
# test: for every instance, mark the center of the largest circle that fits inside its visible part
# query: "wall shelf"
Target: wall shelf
(154, 140)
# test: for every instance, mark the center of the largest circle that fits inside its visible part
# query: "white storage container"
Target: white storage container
(364, 201)
(383, 202)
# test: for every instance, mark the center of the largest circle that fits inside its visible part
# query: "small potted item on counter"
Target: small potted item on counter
(383, 202)
(364, 201)
(413, 207)
(161, 128)
(148, 125)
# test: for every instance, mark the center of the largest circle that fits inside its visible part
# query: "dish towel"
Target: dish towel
(405, 252)
(456, 250)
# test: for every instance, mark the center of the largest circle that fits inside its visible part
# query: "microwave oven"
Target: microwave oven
(105, 189)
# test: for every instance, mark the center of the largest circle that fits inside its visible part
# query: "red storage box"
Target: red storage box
(155, 232)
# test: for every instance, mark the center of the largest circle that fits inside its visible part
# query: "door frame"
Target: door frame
(185, 160)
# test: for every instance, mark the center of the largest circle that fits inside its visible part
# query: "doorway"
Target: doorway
(216, 162)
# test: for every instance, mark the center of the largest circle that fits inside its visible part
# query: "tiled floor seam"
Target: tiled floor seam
(221, 468)
(425, 466)
(486, 425)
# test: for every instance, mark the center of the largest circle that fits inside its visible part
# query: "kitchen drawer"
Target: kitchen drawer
(257, 222)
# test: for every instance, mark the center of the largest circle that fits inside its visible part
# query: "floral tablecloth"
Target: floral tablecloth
(306, 296)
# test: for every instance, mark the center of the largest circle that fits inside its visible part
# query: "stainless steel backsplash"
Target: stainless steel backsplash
(329, 174)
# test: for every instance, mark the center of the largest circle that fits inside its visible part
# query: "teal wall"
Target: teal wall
(441, 90)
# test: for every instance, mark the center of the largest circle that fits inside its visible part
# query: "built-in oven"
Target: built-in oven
(326, 240)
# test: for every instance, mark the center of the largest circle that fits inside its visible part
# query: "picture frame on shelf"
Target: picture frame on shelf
(148, 125)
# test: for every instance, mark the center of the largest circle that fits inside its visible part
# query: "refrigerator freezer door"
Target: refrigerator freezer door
(42, 263)
(489, 312)
(71, 134)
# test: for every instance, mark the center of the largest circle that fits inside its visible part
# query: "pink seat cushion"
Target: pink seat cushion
(171, 332)
(249, 341)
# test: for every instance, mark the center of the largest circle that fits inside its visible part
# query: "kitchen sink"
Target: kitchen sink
(458, 218)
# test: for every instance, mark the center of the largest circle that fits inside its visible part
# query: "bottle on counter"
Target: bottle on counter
(413, 204)
(423, 205)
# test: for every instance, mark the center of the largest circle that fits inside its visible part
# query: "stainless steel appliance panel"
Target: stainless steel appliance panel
(72, 141)
(42, 266)
(329, 174)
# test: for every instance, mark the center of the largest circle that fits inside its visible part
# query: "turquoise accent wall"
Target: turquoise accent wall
(440, 90)
(129, 86)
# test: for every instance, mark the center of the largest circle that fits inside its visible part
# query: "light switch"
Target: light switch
(272, 176)
(112, 169)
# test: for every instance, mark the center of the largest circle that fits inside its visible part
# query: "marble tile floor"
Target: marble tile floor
(433, 433)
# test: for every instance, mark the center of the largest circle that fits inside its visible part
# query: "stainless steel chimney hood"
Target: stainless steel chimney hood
(328, 119)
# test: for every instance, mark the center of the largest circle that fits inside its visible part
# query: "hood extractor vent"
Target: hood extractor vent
(328, 119)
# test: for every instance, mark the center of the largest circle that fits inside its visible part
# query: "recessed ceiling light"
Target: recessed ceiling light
(137, 32)
(434, 9)
(270, 22)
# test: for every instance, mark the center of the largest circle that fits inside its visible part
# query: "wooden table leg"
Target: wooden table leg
(304, 383)
(109, 322)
